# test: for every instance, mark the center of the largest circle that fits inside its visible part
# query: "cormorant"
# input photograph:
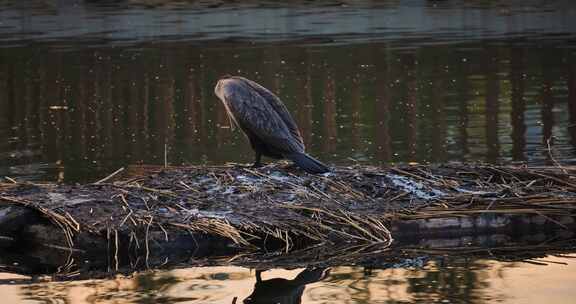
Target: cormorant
(265, 121)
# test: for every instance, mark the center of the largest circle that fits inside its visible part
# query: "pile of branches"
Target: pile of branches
(276, 204)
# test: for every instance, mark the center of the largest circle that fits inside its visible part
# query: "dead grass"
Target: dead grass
(253, 206)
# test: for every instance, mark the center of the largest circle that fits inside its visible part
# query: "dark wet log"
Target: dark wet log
(13, 217)
(195, 215)
(32, 245)
(415, 242)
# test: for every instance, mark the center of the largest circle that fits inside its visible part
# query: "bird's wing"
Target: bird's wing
(279, 107)
(256, 116)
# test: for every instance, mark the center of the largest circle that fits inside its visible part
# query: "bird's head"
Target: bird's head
(224, 84)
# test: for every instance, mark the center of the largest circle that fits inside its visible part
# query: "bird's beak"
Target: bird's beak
(218, 89)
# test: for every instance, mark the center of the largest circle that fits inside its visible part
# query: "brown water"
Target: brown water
(79, 99)
(80, 114)
(87, 87)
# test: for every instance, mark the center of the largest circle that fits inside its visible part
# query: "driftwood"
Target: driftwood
(242, 213)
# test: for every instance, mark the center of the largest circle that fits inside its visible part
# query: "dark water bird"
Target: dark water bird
(283, 291)
(265, 121)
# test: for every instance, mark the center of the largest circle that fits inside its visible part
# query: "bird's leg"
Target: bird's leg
(258, 275)
(257, 162)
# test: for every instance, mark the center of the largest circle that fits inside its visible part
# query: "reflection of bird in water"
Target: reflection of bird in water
(266, 121)
(284, 291)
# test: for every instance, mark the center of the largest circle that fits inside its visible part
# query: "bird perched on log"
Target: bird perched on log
(265, 121)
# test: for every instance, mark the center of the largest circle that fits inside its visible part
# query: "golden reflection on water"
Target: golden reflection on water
(471, 281)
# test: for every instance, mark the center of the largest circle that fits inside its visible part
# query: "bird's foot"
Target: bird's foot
(257, 165)
(238, 165)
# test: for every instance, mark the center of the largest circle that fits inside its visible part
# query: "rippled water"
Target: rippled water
(80, 106)
(456, 280)
(80, 114)
(87, 87)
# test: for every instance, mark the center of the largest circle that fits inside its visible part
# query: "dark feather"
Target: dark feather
(257, 116)
(279, 107)
(266, 122)
(307, 162)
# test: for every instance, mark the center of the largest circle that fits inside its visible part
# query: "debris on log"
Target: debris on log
(281, 209)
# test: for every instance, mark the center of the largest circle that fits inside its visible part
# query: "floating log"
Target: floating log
(226, 210)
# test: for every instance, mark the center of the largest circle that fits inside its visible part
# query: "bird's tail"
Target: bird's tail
(307, 163)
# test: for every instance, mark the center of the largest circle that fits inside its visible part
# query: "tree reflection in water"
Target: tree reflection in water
(454, 279)
(108, 107)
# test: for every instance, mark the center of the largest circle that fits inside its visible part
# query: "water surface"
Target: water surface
(77, 115)
(87, 87)
(446, 280)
